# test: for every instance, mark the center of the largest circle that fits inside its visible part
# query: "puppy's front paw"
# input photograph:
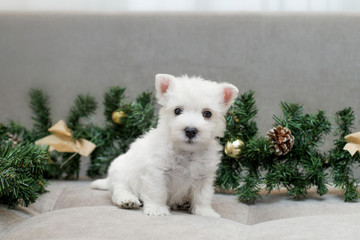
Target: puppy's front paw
(156, 210)
(205, 212)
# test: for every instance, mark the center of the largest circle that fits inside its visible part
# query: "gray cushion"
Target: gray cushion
(319, 227)
(71, 210)
(109, 222)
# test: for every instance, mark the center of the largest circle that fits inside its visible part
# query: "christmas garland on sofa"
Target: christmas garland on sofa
(21, 170)
(287, 156)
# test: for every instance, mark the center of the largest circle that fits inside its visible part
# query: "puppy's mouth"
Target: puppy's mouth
(190, 142)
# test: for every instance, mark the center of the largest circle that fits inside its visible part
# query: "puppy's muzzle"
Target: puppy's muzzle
(190, 132)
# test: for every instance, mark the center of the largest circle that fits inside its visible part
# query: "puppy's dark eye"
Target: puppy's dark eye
(207, 114)
(178, 111)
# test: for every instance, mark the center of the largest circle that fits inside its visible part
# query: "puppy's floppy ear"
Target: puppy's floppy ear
(162, 84)
(229, 93)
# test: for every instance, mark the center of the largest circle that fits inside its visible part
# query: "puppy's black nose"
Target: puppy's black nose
(190, 132)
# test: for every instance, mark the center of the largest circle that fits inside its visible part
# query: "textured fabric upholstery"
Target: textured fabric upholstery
(71, 210)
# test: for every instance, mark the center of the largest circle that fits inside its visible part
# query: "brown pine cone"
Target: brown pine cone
(282, 139)
(14, 138)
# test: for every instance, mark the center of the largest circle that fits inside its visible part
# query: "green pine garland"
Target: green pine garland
(111, 140)
(244, 173)
(304, 167)
(341, 161)
(118, 137)
(60, 165)
(23, 167)
(240, 124)
(84, 107)
(39, 104)
(21, 173)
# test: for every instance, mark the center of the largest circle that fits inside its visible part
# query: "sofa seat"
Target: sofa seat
(71, 210)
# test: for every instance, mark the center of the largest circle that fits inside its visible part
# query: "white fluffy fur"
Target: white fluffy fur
(163, 168)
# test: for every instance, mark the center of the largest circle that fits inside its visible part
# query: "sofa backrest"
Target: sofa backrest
(312, 59)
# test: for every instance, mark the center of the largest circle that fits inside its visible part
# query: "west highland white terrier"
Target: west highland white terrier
(174, 164)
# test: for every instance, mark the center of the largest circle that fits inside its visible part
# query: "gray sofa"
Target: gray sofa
(71, 210)
(313, 59)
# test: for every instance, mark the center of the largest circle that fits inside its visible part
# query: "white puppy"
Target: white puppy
(175, 163)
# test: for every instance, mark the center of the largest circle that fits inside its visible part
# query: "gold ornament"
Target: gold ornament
(236, 119)
(233, 148)
(118, 117)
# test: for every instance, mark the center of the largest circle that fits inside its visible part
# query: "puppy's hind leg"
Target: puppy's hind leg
(124, 198)
(101, 184)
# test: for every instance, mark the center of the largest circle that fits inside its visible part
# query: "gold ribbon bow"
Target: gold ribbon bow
(353, 144)
(61, 140)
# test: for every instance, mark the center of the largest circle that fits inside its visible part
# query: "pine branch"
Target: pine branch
(84, 106)
(341, 161)
(291, 119)
(315, 173)
(256, 155)
(19, 130)
(249, 190)
(105, 150)
(281, 174)
(240, 121)
(112, 100)
(304, 166)
(240, 124)
(39, 105)
(101, 159)
(3, 133)
(70, 165)
(140, 117)
(53, 170)
(228, 174)
(345, 121)
(21, 173)
(314, 128)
